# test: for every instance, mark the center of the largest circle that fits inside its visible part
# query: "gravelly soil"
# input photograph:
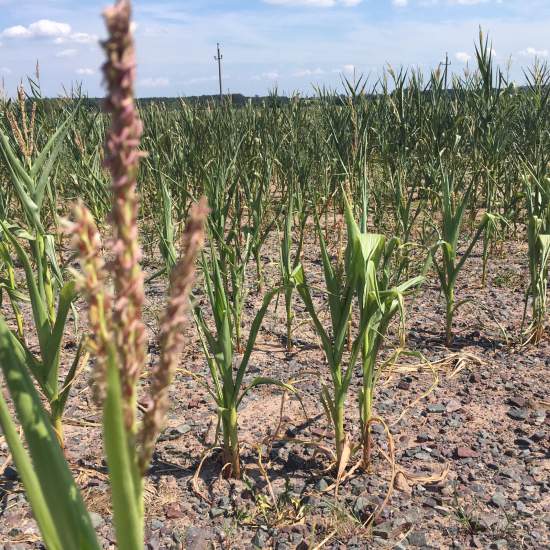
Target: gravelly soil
(473, 452)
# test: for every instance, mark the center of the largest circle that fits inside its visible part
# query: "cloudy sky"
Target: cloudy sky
(288, 44)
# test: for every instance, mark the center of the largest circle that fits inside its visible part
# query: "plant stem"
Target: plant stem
(231, 444)
(339, 433)
(450, 303)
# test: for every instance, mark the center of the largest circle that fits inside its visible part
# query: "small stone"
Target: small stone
(522, 509)
(418, 538)
(510, 473)
(422, 456)
(498, 499)
(383, 530)
(224, 502)
(524, 442)
(156, 524)
(519, 402)
(436, 408)
(260, 538)
(11, 474)
(465, 452)
(430, 502)
(97, 520)
(401, 484)
(154, 542)
(182, 429)
(518, 414)
(453, 405)
(322, 485)
(360, 506)
(488, 519)
(197, 538)
(216, 512)
(404, 385)
(173, 511)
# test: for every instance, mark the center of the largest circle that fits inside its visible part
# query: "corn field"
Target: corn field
(200, 300)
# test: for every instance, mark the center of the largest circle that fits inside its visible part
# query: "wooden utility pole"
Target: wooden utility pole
(219, 58)
(447, 64)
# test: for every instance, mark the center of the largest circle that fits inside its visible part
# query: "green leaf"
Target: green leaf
(58, 487)
(39, 309)
(30, 481)
(23, 184)
(126, 496)
(53, 345)
(44, 162)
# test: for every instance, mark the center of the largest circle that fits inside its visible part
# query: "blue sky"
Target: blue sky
(290, 44)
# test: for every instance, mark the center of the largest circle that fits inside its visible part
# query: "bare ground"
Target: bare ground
(473, 452)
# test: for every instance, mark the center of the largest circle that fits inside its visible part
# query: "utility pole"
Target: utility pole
(219, 58)
(447, 64)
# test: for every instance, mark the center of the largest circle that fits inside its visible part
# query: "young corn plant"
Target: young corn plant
(35, 250)
(448, 265)
(49, 328)
(227, 387)
(341, 287)
(537, 193)
(165, 224)
(288, 265)
(379, 300)
(117, 341)
(9, 286)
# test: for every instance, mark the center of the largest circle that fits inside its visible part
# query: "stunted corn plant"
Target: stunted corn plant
(341, 287)
(449, 265)
(117, 341)
(287, 265)
(537, 193)
(379, 300)
(536, 190)
(227, 386)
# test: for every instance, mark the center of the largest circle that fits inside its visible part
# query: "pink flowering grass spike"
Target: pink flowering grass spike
(122, 157)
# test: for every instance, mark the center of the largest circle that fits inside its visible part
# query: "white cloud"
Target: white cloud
(159, 82)
(451, 2)
(48, 28)
(86, 71)
(400, 3)
(533, 52)
(468, 2)
(44, 28)
(308, 72)
(315, 3)
(349, 68)
(78, 38)
(269, 75)
(66, 53)
(5, 70)
(463, 57)
(16, 32)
